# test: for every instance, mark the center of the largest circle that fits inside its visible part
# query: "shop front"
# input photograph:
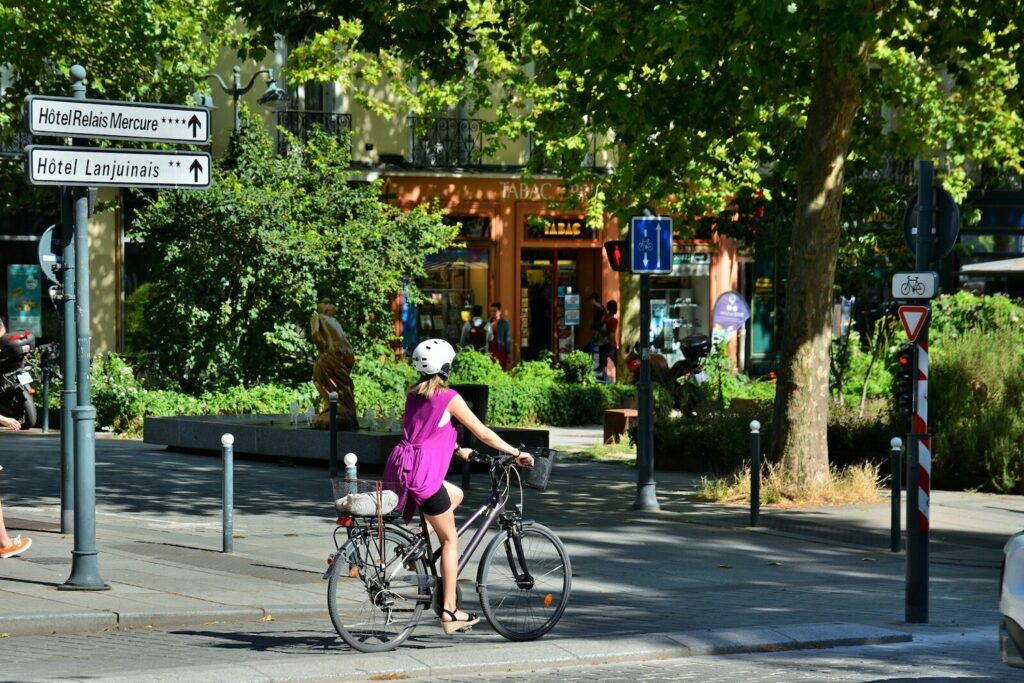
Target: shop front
(516, 248)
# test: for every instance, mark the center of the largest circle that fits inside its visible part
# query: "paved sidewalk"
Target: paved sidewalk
(693, 578)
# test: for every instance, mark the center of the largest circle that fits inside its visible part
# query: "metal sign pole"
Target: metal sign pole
(85, 573)
(646, 494)
(919, 441)
(68, 365)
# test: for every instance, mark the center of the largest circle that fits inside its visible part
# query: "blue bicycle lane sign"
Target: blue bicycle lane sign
(650, 244)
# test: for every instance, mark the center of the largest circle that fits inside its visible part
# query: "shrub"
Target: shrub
(977, 410)
(116, 394)
(957, 314)
(578, 368)
(381, 380)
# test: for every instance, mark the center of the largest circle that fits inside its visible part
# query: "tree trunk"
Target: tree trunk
(799, 439)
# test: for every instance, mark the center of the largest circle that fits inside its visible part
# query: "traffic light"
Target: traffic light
(905, 379)
(618, 255)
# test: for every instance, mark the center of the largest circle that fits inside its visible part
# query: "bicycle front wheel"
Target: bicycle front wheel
(524, 582)
(374, 599)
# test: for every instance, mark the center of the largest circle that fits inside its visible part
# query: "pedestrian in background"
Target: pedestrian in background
(499, 336)
(610, 348)
(9, 547)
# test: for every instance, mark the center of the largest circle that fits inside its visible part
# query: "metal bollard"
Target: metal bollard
(755, 471)
(227, 443)
(350, 472)
(896, 466)
(333, 457)
(44, 425)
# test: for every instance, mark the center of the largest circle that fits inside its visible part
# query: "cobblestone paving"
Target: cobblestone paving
(936, 658)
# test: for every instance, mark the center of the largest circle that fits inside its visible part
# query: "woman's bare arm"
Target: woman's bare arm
(461, 412)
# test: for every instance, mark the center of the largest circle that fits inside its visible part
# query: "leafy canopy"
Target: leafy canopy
(239, 268)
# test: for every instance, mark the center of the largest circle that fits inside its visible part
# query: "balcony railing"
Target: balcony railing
(539, 161)
(893, 170)
(14, 147)
(301, 123)
(441, 142)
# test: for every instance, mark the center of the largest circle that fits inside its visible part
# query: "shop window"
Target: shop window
(456, 282)
(471, 227)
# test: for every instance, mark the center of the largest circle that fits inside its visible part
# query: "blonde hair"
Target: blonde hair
(427, 386)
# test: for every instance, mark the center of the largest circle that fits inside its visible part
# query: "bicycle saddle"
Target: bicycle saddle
(365, 504)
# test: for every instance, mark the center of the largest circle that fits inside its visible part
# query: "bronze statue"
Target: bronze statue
(332, 370)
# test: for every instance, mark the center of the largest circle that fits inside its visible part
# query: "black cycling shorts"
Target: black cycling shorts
(437, 504)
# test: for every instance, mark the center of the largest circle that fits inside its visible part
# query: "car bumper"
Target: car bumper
(1011, 642)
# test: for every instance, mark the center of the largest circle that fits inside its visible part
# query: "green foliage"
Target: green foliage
(472, 367)
(122, 402)
(240, 267)
(116, 394)
(963, 312)
(381, 380)
(132, 50)
(578, 368)
(976, 411)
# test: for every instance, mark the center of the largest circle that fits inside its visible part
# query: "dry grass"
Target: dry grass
(617, 452)
(849, 486)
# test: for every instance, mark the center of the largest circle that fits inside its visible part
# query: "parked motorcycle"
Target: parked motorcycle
(683, 378)
(16, 378)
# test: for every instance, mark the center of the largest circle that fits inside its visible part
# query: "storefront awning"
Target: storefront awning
(1010, 266)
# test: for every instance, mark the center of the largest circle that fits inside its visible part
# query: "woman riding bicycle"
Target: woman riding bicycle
(421, 459)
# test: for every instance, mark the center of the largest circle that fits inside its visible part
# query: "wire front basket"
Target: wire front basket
(366, 497)
(536, 477)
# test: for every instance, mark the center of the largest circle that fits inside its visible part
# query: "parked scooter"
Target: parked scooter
(16, 378)
(684, 378)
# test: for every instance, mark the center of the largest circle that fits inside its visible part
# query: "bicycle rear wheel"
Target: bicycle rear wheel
(375, 601)
(524, 586)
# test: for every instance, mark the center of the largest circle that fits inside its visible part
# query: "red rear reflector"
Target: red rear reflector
(344, 521)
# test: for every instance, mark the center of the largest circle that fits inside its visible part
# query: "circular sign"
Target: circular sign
(944, 230)
(47, 257)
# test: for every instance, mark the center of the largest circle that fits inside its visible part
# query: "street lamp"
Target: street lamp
(274, 99)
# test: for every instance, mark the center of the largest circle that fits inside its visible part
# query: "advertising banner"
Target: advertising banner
(729, 315)
(24, 299)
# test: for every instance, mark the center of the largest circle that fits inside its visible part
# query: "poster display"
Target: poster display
(24, 298)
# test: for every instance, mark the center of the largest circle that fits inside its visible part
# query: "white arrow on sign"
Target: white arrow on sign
(913, 318)
(103, 167)
(113, 120)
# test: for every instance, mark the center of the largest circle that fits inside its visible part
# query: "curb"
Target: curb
(99, 621)
(543, 655)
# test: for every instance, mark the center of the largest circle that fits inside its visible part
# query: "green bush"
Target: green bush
(957, 314)
(976, 411)
(381, 380)
(116, 395)
(578, 368)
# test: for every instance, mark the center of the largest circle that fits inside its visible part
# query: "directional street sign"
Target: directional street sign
(913, 318)
(69, 117)
(99, 167)
(651, 244)
(914, 285)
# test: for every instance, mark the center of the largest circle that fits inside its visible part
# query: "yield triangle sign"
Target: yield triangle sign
(913, 318)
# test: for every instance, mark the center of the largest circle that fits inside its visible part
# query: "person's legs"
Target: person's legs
(9, 547)
(5, 540)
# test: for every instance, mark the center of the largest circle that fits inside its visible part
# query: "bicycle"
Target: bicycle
(912, 284)
(384, 575)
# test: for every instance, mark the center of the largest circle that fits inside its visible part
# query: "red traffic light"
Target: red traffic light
(618, 254)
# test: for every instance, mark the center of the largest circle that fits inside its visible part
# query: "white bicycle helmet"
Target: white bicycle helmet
(433, 357)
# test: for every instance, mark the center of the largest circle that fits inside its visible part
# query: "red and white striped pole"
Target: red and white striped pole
(919, 478)
(924, 452)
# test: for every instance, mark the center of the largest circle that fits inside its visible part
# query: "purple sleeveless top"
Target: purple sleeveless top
(421, 459)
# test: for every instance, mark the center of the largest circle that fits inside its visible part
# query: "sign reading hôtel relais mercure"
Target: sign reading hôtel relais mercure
(112, 120)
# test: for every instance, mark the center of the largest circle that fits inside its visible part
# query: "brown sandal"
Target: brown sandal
(457, 625)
